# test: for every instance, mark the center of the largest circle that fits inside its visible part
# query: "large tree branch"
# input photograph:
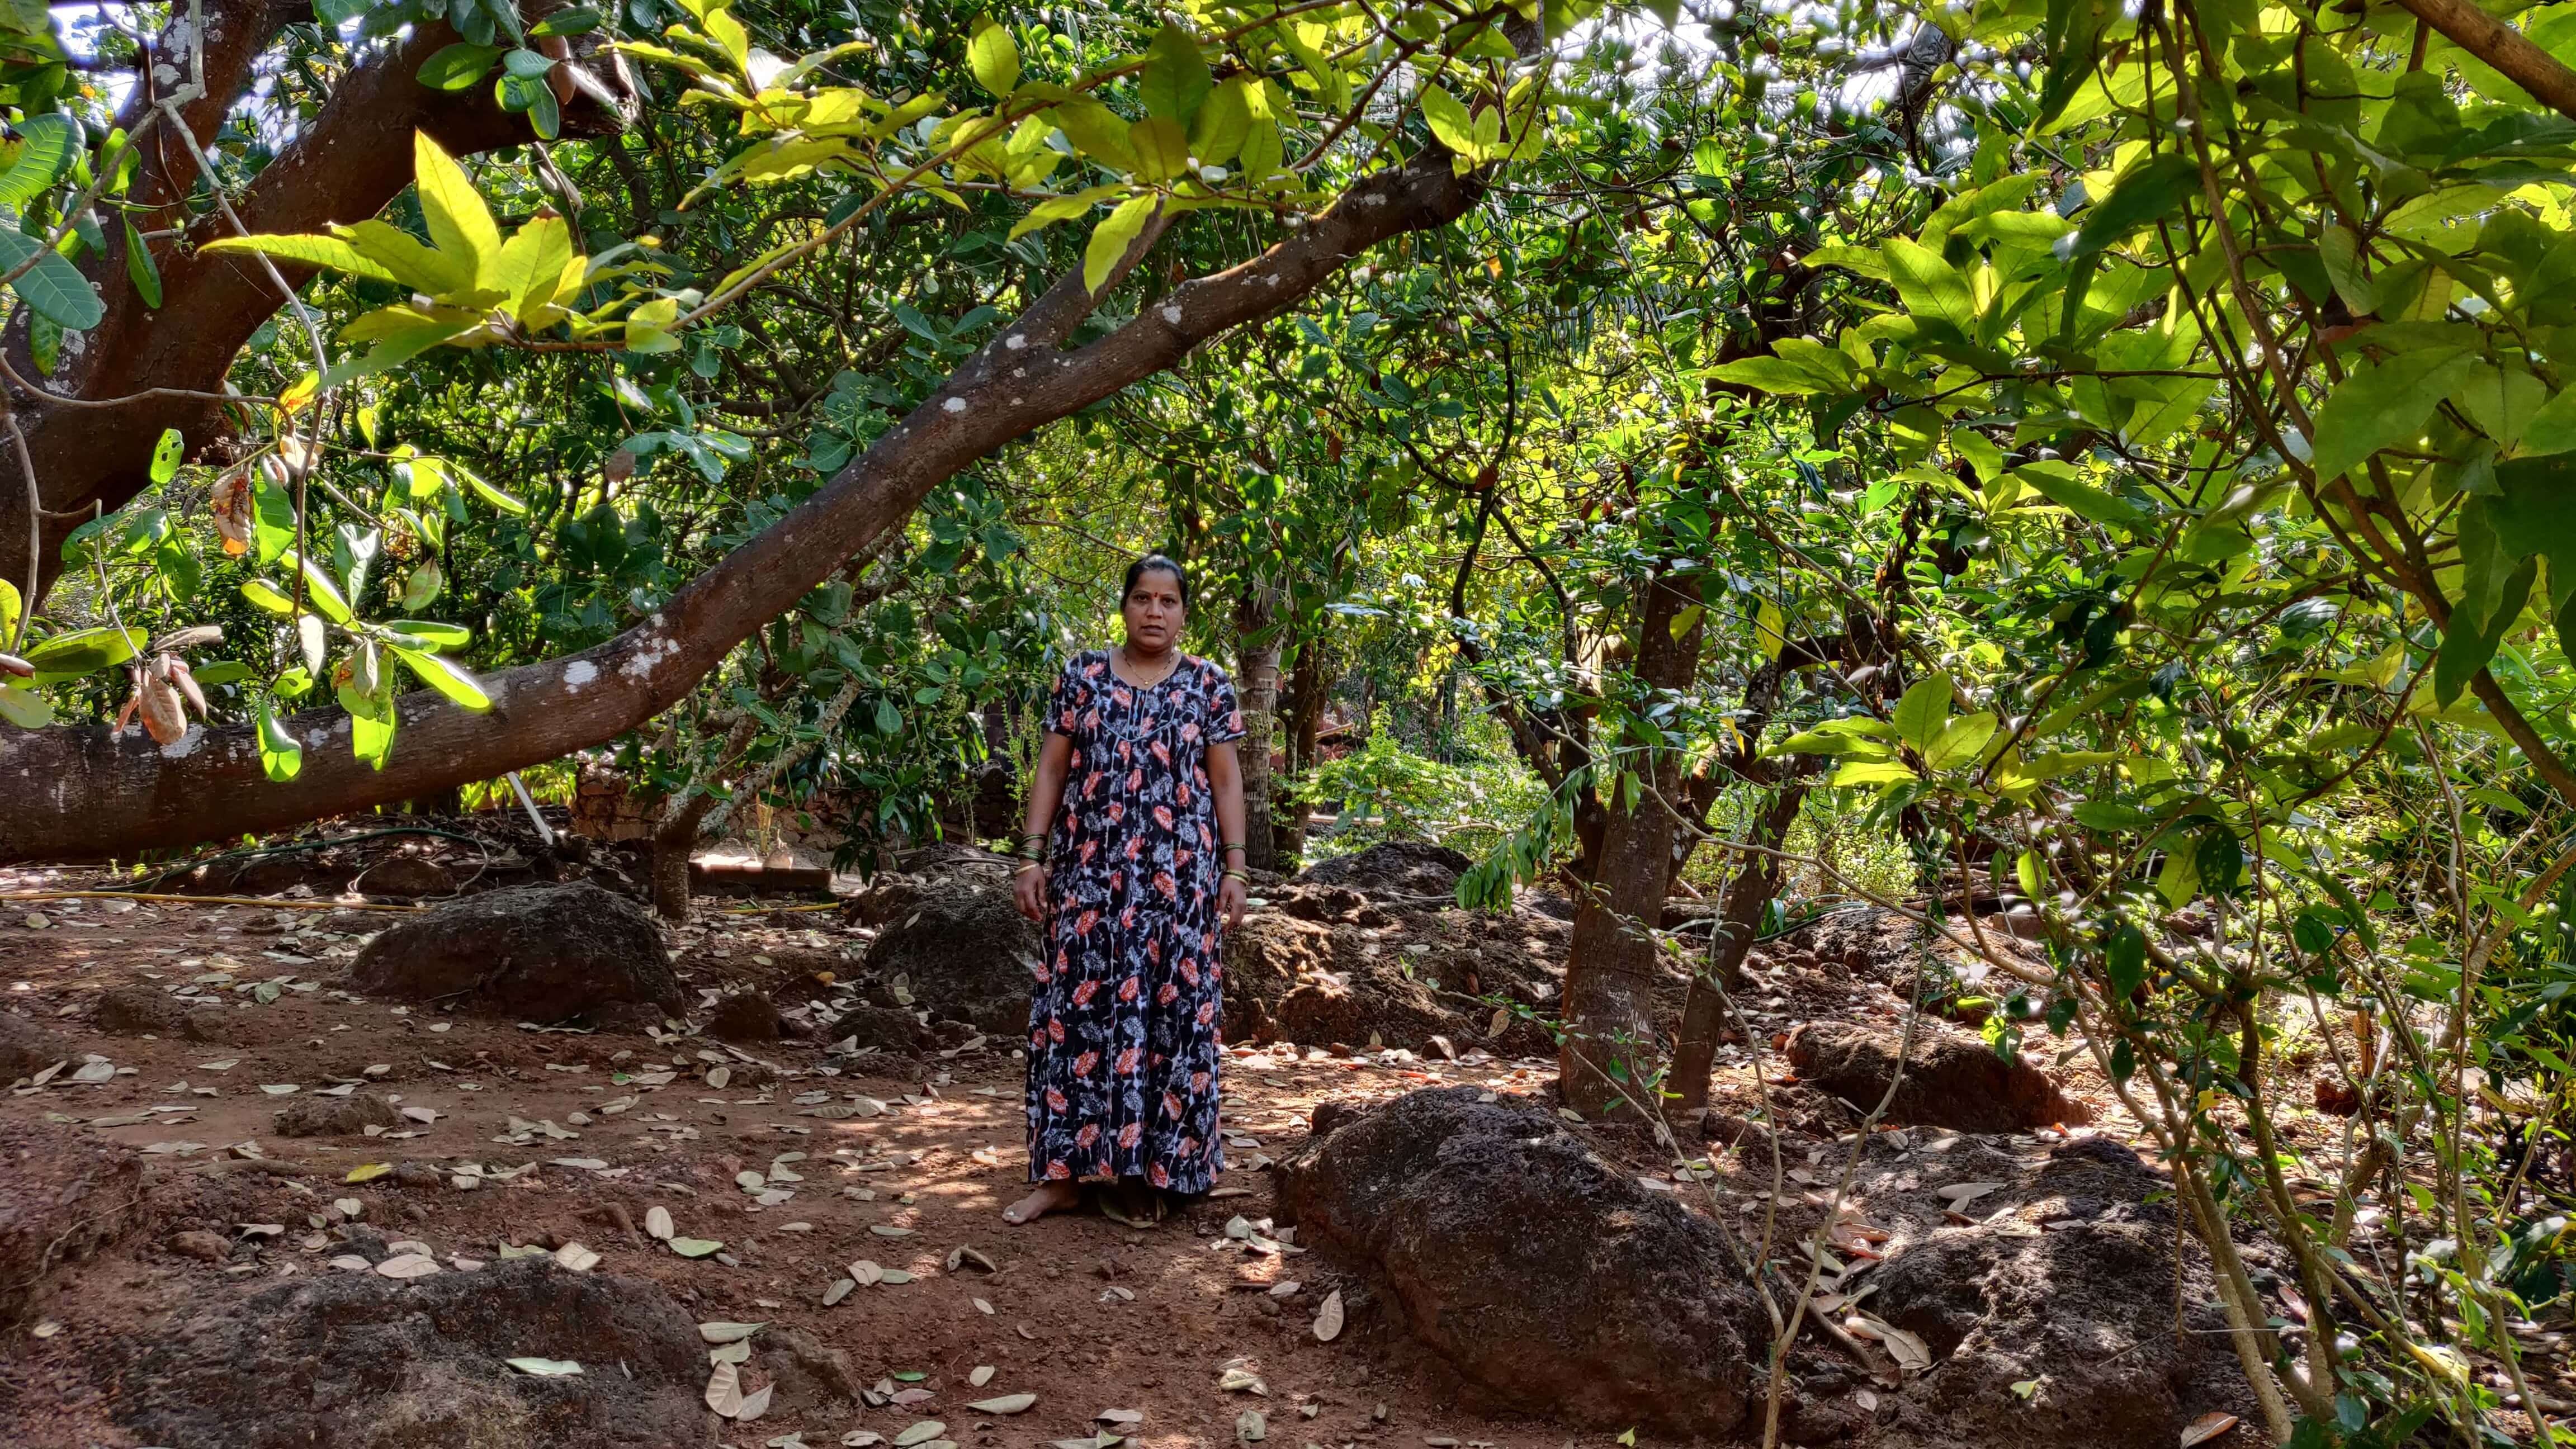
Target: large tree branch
(343, 166)
(84, 790)
(2500, 45)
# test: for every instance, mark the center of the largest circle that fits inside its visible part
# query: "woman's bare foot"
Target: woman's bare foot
(1049, 1197)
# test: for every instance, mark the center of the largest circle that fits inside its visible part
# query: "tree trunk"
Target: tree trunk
(1256, 690)
(1308, 688)
(1739, 918)
(1608, 1054)
(83, 791)
(673, 843)
(344, 165)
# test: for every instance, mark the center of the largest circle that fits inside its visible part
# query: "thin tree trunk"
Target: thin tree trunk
(674, 841)
(1739, 918)
(1308, 687)
(1256, 689)
(1608, 1052)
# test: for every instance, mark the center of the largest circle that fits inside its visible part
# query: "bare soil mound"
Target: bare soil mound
(64, 1195)
(954, 944)
(1328, 966)
(149, 1011)
(359, 1361)
(1547, 1277)
(1951, 1079)
(543, 953)
(26, 1048)
(1390, 869)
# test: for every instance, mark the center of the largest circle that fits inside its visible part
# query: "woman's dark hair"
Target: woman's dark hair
(1155, 563)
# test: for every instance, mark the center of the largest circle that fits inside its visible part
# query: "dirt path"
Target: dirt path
(539, 1139)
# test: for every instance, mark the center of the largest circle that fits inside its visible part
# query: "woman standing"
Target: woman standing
(1135, 878)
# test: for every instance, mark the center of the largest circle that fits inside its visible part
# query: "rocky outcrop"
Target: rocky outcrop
(542, 953)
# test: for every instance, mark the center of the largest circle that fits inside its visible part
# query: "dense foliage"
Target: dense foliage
(2102, 466)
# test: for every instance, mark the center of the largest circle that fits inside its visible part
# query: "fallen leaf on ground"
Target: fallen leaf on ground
(1250, 1427)
(2207, 1427)
(1328, 1320)
(721, 1332)
(982, 1375)
(694, 1247)
(921, 1433)
(1006, 1404)
(544, 1368)
(408, 1265)
(657, 1223)
(576, 1257)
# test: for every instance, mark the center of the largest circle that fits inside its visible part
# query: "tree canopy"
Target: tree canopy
(2099, 468)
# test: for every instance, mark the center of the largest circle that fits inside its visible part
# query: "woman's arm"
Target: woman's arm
(1225, 776)
(1028, 887)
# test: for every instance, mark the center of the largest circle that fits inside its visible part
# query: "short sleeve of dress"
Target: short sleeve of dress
(1225, 715)
(1066, 702)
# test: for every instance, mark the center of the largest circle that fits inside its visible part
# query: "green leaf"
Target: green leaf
(272, 517)
(1111, 238)
(1096, 131)
(139, 268)
(53, 286)
(222, 671)
(1960, 740)
(579, 20)
(1931, 288)
(429, 634)
(85, 651)
(1450, 122)
(694, 1247)
(2385, 405)
(2056, 481)
(280, 757)
(1223, 123)
(2111, 816)
(459, 223)
(457, 67)
(12, 608)
(269, 596)
(447, 677)
(2149, 190)
(1162, 148)
(526, 64)
(312, 251)
(1176, 77)
(24, 707)
(2124, 959)
(994, 57)
(1919, 715)
(2470, 642)
(371, 717)
(167, 454)
(487, 492)
(47, 145)
(1874, 772)
(424, 584)
(324, 595)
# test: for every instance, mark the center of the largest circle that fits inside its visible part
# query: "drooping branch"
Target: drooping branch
(83, 790)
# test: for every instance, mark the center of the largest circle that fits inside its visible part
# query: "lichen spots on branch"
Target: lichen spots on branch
(577, 674)
(953, 405)
(1015, 342)
(649, 653)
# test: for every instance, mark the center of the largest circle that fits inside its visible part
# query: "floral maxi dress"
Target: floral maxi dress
(1123, 1057)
